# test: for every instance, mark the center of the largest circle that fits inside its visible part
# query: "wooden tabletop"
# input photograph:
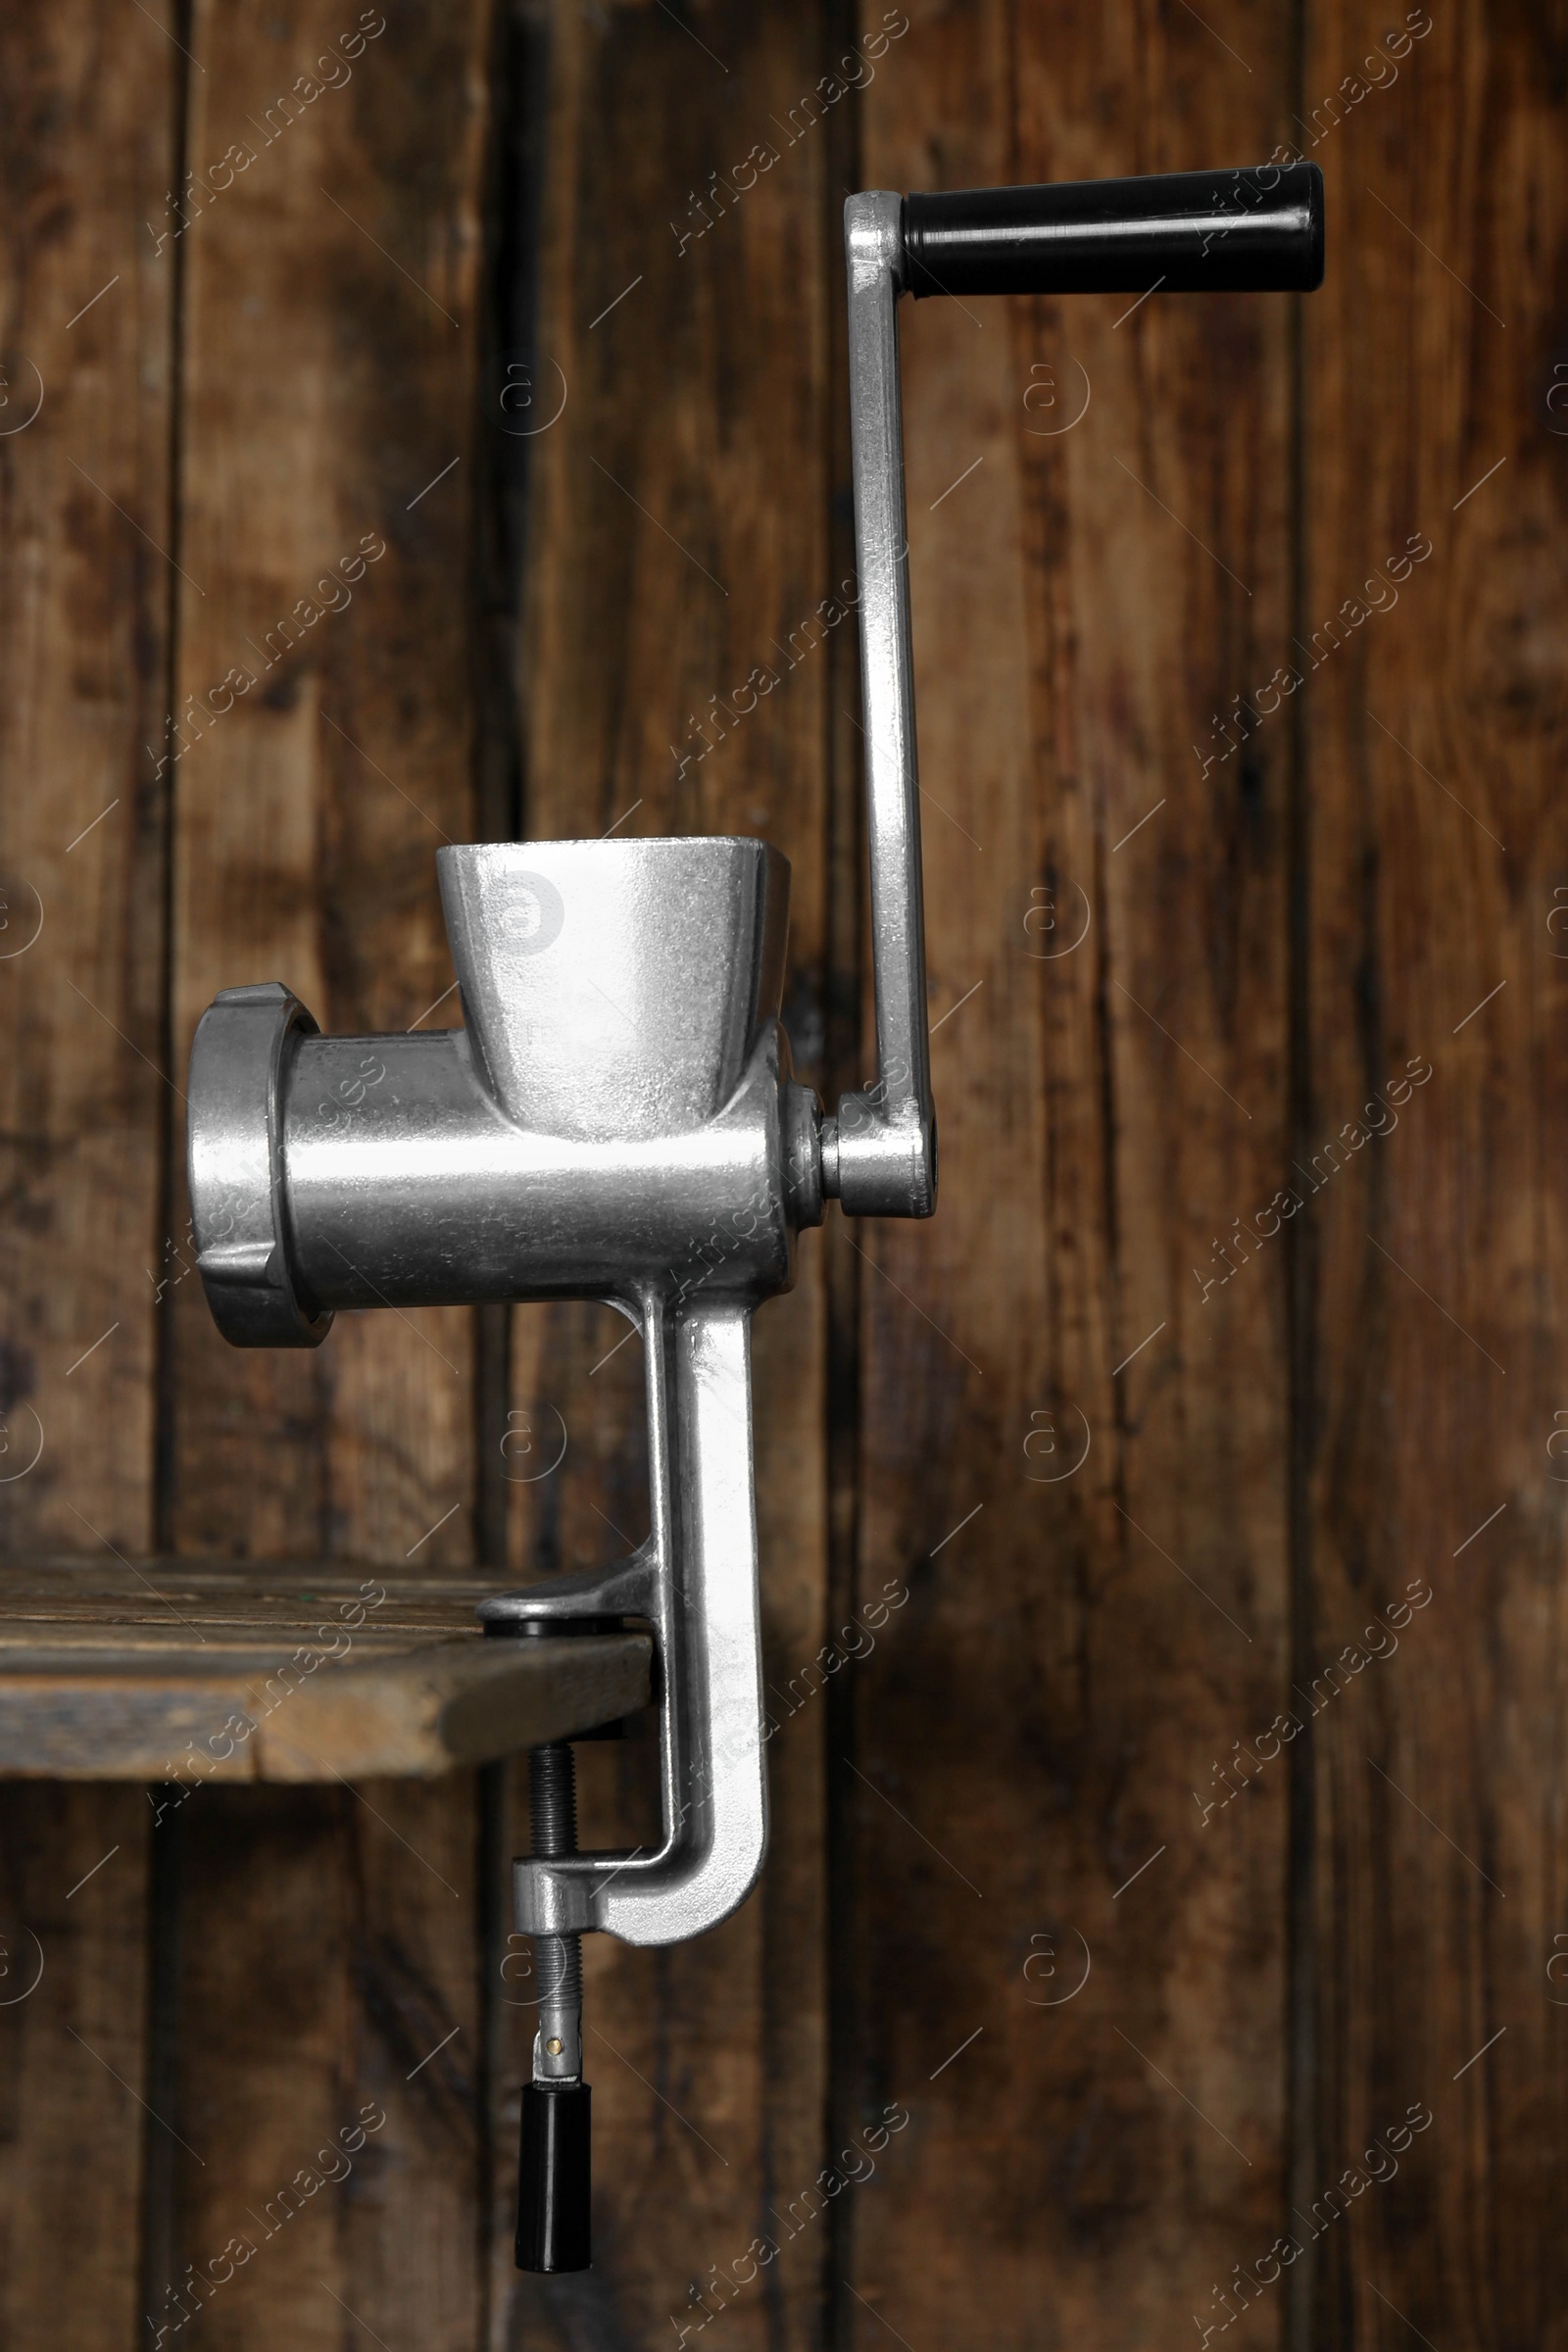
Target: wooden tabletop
(174, 1670)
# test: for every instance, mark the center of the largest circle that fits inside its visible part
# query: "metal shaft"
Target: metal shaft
(555, 2186)
(558, 1959)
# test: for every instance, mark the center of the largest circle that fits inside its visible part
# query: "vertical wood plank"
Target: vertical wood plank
(1071, 1980)
(332, 347)
(1087, 2166)
(72, 2038)
(1440, 860)
(330, 362)
(86, 310)
(679, 542)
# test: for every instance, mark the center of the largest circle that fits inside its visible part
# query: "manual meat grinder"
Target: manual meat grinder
(616, 1120)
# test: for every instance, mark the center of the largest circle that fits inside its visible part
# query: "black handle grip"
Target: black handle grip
(1188, 233)
(555, 2178)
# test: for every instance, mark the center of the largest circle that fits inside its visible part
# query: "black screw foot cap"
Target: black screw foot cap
(555, 2178)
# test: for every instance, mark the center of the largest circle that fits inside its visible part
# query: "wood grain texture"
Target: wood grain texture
(72, 2047)
(1435, 729)
(321, 1945)
(1185, 927)
(1074, 1458)
(330, 355)
(246, 1677)
(89, 139)
(681, 542)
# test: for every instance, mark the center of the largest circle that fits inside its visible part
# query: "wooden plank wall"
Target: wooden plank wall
(331, 330)
(90, 145)
(663, 567)
(1437, 857)
(1240, 684)
(1053, 1411)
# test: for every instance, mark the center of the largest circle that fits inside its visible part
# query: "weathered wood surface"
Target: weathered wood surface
(681, 539)
(1090, 1650)
(322, 1944)
(1073, 1465)
(1439, 865)
(125, 1599)
(90, 96)
(150, 1672)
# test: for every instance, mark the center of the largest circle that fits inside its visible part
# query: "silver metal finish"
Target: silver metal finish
(618, 1111)
(424, 1190)
(611, 989)
(885, 1163)
(238, 1067)
(616, 1119)
(553, 1810)
(696, 1581)
(558, 2037)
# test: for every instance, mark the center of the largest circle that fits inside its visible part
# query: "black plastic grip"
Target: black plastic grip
(1254, 230)
(555, 2178)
